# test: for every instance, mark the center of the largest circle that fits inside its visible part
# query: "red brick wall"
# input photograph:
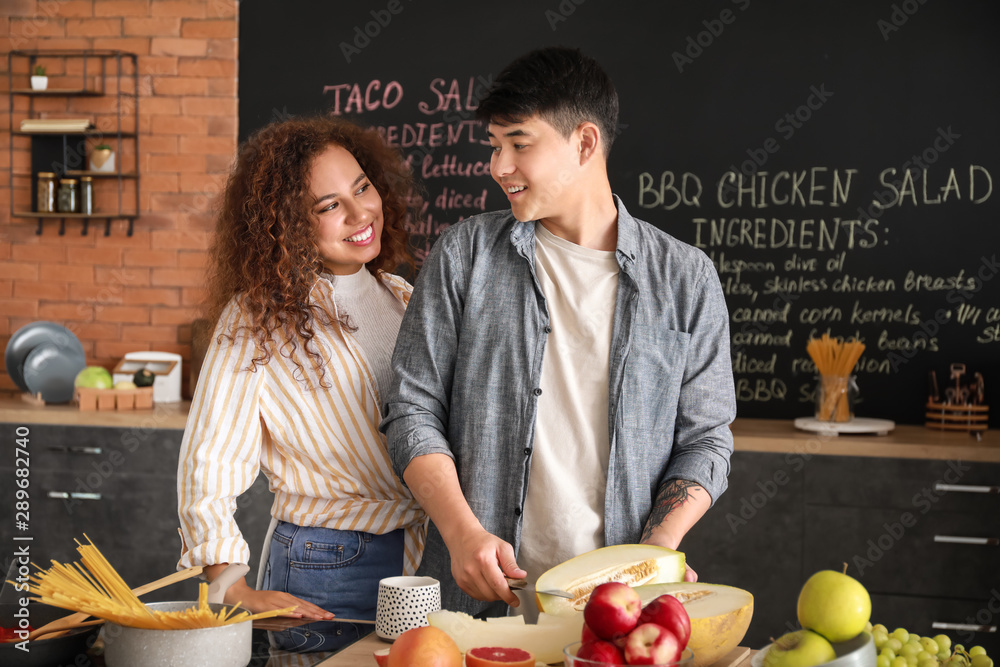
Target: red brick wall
(119, 293)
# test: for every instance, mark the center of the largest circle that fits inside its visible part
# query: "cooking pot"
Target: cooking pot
(64, 650)
(223, 646)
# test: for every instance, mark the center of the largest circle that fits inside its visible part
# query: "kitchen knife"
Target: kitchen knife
(521, 584)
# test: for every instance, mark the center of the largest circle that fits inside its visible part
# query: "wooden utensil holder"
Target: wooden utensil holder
(951, 417)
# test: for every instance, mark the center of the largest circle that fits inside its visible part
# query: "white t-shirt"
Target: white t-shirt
(564, 509)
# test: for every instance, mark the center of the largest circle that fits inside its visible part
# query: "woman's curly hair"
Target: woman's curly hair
(265, 252)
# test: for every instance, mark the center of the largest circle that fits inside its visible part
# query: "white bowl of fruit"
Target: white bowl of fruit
(808, 648)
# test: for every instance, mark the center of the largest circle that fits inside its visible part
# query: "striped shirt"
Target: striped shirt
(319, 446)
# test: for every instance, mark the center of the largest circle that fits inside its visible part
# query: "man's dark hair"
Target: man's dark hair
(561, 85)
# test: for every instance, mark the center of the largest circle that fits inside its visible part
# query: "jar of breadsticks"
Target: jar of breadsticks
(836, 388)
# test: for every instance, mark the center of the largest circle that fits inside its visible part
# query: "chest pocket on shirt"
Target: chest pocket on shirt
(651, 384)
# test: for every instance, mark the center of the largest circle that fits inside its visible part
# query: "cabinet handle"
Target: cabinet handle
(73, 495)
(939, 625)
(957, 539)
(966, 488)
(77, 450)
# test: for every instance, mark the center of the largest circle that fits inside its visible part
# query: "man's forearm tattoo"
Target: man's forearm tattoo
(675, 494)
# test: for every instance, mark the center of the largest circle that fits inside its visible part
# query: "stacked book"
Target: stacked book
(56, 125)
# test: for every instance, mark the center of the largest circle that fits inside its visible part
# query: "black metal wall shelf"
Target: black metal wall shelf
(55, 150)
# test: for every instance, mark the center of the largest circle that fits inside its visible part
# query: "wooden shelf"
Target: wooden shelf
(86, 133)
(77, 216)
(58, 92)
(101, 174)
(79, 172)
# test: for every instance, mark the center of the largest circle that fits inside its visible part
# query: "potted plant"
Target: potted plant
(102, 158)
(38, 80)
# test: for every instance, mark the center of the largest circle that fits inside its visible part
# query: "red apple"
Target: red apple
(651, 644)
(599, 650)
(613, 610)
(588, 635)
(669, 612)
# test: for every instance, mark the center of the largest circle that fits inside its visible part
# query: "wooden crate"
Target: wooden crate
(114, 399)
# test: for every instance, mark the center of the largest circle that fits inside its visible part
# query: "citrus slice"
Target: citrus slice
(498, 656)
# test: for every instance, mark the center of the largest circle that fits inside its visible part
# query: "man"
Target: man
(563, 369)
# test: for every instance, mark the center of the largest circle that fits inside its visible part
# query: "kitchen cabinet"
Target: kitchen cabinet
(921, 535)
(97, 84)
(119, 486)
(752, 538)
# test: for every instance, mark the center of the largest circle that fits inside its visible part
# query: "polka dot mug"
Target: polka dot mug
(403, 603)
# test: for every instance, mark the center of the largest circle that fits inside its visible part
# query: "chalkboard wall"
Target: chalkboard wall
(837, 160)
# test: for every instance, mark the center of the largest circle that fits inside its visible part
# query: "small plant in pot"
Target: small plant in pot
(102, 158)
(39, 81)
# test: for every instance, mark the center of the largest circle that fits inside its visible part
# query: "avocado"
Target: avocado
(144, 377)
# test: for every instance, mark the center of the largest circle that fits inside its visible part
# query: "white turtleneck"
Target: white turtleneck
(375, 314)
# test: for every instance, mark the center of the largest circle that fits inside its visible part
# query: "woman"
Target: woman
(306, 314)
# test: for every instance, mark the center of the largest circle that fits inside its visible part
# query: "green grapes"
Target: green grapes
(902, 648)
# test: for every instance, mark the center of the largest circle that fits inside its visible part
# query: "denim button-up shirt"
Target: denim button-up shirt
(468, 364)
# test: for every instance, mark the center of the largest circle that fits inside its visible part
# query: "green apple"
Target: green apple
(835, 605)
(94, 377)
(802, 648)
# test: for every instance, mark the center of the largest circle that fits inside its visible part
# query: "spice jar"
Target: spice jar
(86, 195)
(67, 195)
(46, 200)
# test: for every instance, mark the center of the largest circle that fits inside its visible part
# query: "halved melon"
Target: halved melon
(632, 564)
(544, 640)
(720, 615)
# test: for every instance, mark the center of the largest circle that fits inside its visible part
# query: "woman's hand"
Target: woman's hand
(259, 601)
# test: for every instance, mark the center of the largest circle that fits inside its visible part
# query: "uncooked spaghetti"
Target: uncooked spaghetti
(94, 587)
(834, 359)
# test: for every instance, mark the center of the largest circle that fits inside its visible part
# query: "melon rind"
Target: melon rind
(632, 564)
(544, 640)
(720, 616)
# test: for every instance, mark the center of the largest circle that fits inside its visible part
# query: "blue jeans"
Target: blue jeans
(337, 570)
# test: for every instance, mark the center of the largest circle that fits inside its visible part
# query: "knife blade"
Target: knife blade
(521, 584)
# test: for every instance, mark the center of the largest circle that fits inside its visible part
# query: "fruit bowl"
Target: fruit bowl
(570, 659)
(857, 652)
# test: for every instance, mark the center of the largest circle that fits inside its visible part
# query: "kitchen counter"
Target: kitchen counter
(751, 435)
(161, 416)
(904, 442)
(360, 653)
